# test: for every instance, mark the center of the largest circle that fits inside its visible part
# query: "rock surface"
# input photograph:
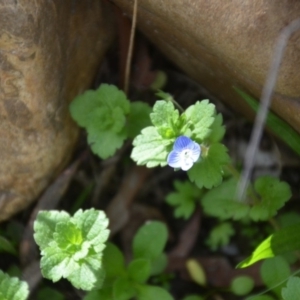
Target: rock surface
(224, 43)
(49, 52)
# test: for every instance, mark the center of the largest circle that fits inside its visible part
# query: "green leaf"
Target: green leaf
(72, 247)
(286, 239)
(273, 194)
(261, 297)
(274, 271)
(282, 129)
(14, 271)
(47, 293)
(220, 235)
(159, 264)
(242, 285)
(281, 242)
(201, 116)
(113, 261)
(263, 250)
(56, 264)
(44, 226)
(208, 172)
(138, 119)
(150, 148)
(165, 117)
(105, 293)
(139, 270)
(288, 218)
(217, 130)
(148, 292)
(123, 289)
(67, 234)
(11, 288)
(105, 143)
(292, 290)
(7, 246)
(193, 297)
(89, 276)
(103, 114)
(150, 240)
(14, 232)
(184, 199)
(93, 224)
(106, 98)
(221, 202)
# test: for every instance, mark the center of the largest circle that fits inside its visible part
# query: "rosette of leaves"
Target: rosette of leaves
(109, 118)
(200, 123)
(11, 288)
(72, 247)
(125, 282)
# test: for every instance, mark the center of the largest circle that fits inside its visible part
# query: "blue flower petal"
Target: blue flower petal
(174, 159)
(195, 151)
(181, 143)
(184, 154)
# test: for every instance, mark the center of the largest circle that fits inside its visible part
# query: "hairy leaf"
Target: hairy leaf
(11, 288)
(150, 148)
(201, 116)
(208, 171)
(103, 114)
(72, 247)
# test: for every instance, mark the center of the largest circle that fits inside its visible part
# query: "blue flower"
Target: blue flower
(184, 154)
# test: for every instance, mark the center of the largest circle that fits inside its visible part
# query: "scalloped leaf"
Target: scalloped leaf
(208, 171)
(11, 288)
(150, 148)
(165, 118)
(102, 113)
(273, 195)
(201, 117)
(73, 246)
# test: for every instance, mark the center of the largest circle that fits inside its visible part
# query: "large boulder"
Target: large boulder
(49, 52)
(224, 43)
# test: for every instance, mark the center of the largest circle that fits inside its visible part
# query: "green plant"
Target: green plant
(187, 140)
(72, 247)
(292, 289)
(123, 281)
(109, 118)
(184, 199)
(220, 235)
(12, 288)
(193, 297)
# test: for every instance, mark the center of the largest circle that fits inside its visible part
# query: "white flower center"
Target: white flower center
(186, 159)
